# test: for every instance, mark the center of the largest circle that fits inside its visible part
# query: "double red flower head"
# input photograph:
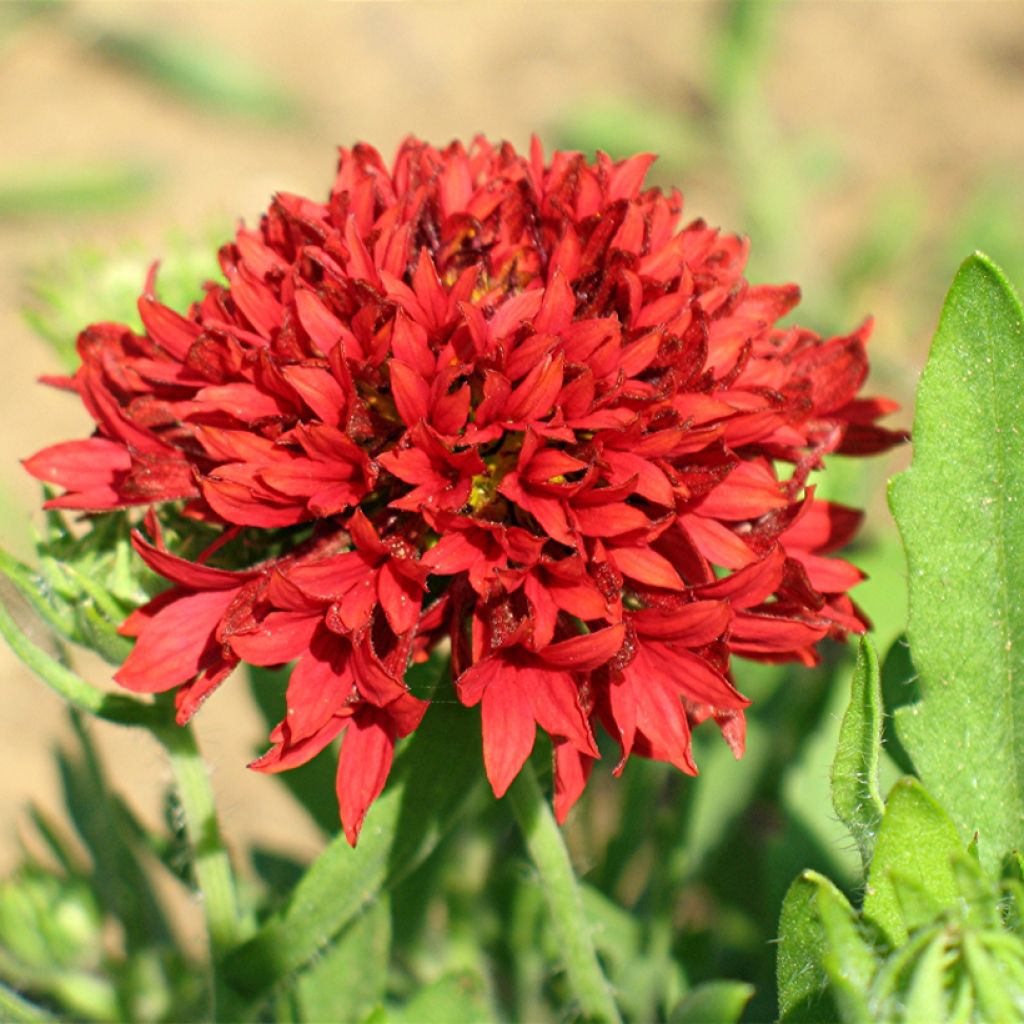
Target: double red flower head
(481, 400)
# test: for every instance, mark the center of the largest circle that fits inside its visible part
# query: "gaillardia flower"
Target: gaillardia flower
(479, 399)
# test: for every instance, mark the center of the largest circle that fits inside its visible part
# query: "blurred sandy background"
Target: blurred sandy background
(864, 147)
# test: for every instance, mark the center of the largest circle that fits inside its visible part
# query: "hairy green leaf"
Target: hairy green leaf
(348, 979)
(959, 509)
(855, 794)
(801, 976)
(431, 781)
(912, 875)
(720, 1001)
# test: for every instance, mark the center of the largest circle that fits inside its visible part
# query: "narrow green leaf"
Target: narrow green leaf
(643, 979)
(855, 794)
(210, 78)
(431, 781)
(991, 988)
(718, 1001)
(926, 996)
(459, 998)
(61, 191)
(118, 876)
(916, 842)
(849, 960)
(889, 984)
(17, 1009)
(801, 976)
(959, 510)
(349, 978)
(979, 901)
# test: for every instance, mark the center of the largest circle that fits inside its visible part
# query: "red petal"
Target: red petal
(321, 684)
(175, 643)
(822, 527)
(410, 392)
(716, 542)
(748, 492)
(281, 636)
(399, 597)
(320, 390)
(829, 575)
(170, 330)
(92, 471)
(555, 703)
(693, 625)
(363, 766)
(645, 566)
(508, 726)
(572, 769)
(586, 651)
(752, 584)
(774, 633)
(611, 520)
(188, 574)
(288, 754)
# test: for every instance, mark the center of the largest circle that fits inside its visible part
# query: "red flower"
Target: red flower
(482, 399)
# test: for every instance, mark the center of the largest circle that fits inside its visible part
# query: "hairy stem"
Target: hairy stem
(214, 876)
(544, 841)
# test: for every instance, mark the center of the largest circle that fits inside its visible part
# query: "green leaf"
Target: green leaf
(718, 1001)
(118, 875)
(348, 979)
(991, 990)
(925, 997)
(458, 998)
(801, 976)
(431, 781)
(959, 512)
(642, 981)
(849, 959)
(913, 861)
(855, 794)
(18, 1009)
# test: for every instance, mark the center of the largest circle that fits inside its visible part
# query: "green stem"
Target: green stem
(214, 876)
(113, 707)
(547, 848)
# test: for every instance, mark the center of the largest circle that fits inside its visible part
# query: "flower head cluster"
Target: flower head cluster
(480, 399)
